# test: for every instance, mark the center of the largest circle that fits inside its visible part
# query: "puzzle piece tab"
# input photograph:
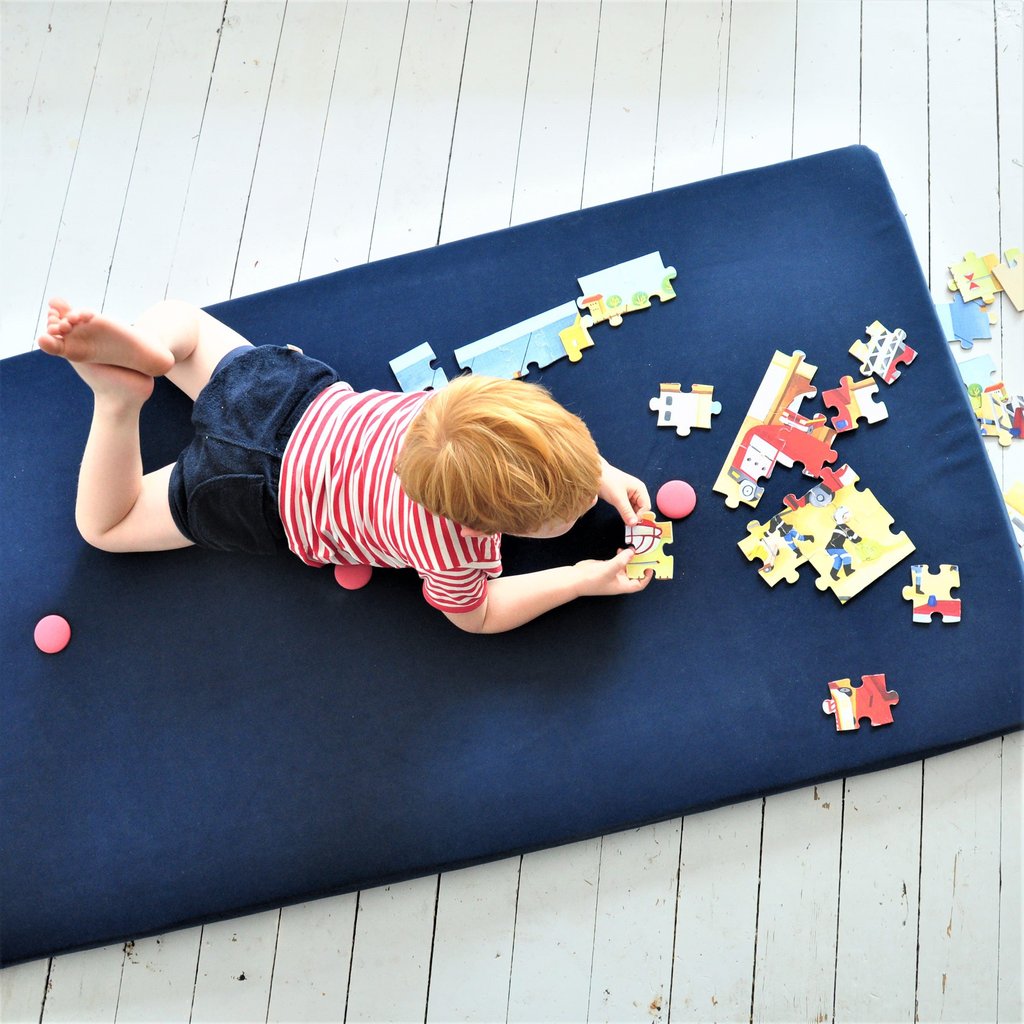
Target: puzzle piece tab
(648, 539)
(774, 431)
(685, 409)
(853, 401)
(972, 277)
(870, 700)
(965, 322)
(883, 352)
(537, 340)
(413, 371)
(930, 592)
(611, 293)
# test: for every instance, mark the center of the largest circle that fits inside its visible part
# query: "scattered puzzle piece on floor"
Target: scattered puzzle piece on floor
(774, 431)
(536, 341)
(413, 371)
(648, 539)
(994, 411)
(965, 322)
(871, 700)
(611, 293)
(883, 352)
(1010, 274)
(930, 592)
(978, 370)
(853, 401)
(685, 409)
(844, 534)
(972, 277)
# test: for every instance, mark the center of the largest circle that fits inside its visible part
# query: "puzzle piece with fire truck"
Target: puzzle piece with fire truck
(930, 593)
(853, 401)
(871, 700)
(774, 431)
(648, 539)
(843, 532)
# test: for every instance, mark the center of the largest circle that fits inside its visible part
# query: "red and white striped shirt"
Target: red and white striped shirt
(342, 502)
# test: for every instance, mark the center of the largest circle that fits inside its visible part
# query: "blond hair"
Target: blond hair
(499, 456)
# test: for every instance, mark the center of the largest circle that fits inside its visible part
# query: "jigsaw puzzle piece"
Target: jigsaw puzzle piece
(978, 370)
(994, 410)
(413, 371)
(576, 336)
(510, 352)
(859, 546)
(648, 539)
(972, 277)
(611, 293)
(849, 704)
(883, 352)
(685, 409)
(770, 429)
(930, 593)
(1014, 498)
(1010, 274)
(965, 322)
(853, 401)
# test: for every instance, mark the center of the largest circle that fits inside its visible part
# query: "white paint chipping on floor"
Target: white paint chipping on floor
(203, 149)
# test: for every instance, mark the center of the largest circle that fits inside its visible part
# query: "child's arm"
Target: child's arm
(514, 600)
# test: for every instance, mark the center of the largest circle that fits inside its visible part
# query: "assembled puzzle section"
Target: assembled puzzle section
(648, 539)
(843, 532)
(999, 414)
(773, 430)
(685, 410)
(611, 293)
(849, 704)
(540, 340)
(930, 593)
(883, 352)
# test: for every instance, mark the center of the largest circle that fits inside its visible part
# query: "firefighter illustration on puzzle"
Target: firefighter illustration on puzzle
(836, 546)
(780, 530)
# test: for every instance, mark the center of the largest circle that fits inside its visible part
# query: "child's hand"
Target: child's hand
(625, 493)
(608, 578)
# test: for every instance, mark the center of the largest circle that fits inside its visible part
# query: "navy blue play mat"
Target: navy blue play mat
(226, 733)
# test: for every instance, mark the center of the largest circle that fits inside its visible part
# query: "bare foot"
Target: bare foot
(126, 388)
(82, 336)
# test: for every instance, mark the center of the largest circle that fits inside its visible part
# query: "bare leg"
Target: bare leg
(172, 339)
(118, 508)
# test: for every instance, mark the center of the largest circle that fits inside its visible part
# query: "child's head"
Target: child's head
(499, 456)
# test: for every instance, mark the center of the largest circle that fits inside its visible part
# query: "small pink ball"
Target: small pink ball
(676, 499)
(52, 634)
(352, 577)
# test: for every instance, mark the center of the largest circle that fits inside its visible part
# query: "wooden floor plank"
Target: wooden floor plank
(277, 214)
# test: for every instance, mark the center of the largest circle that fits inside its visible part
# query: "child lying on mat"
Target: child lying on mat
(287, 455)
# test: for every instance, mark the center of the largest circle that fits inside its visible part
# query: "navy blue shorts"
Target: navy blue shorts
(223, 488)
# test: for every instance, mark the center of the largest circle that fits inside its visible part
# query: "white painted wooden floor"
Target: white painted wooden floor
(208, 149)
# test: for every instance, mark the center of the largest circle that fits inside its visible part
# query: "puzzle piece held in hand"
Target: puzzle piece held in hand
(965, 322)
(685, 409)
(1010, 274)
(774, 431)
(883, 352)
(930, 592)
(853, 401)
(413, 371)
(537, 340)
(870, 700)
(611, 293)
(648, 539)
(972, 277)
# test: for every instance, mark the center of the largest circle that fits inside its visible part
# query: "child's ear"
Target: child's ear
(470, 534)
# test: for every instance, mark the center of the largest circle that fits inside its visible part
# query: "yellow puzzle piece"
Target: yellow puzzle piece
(648, 539)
